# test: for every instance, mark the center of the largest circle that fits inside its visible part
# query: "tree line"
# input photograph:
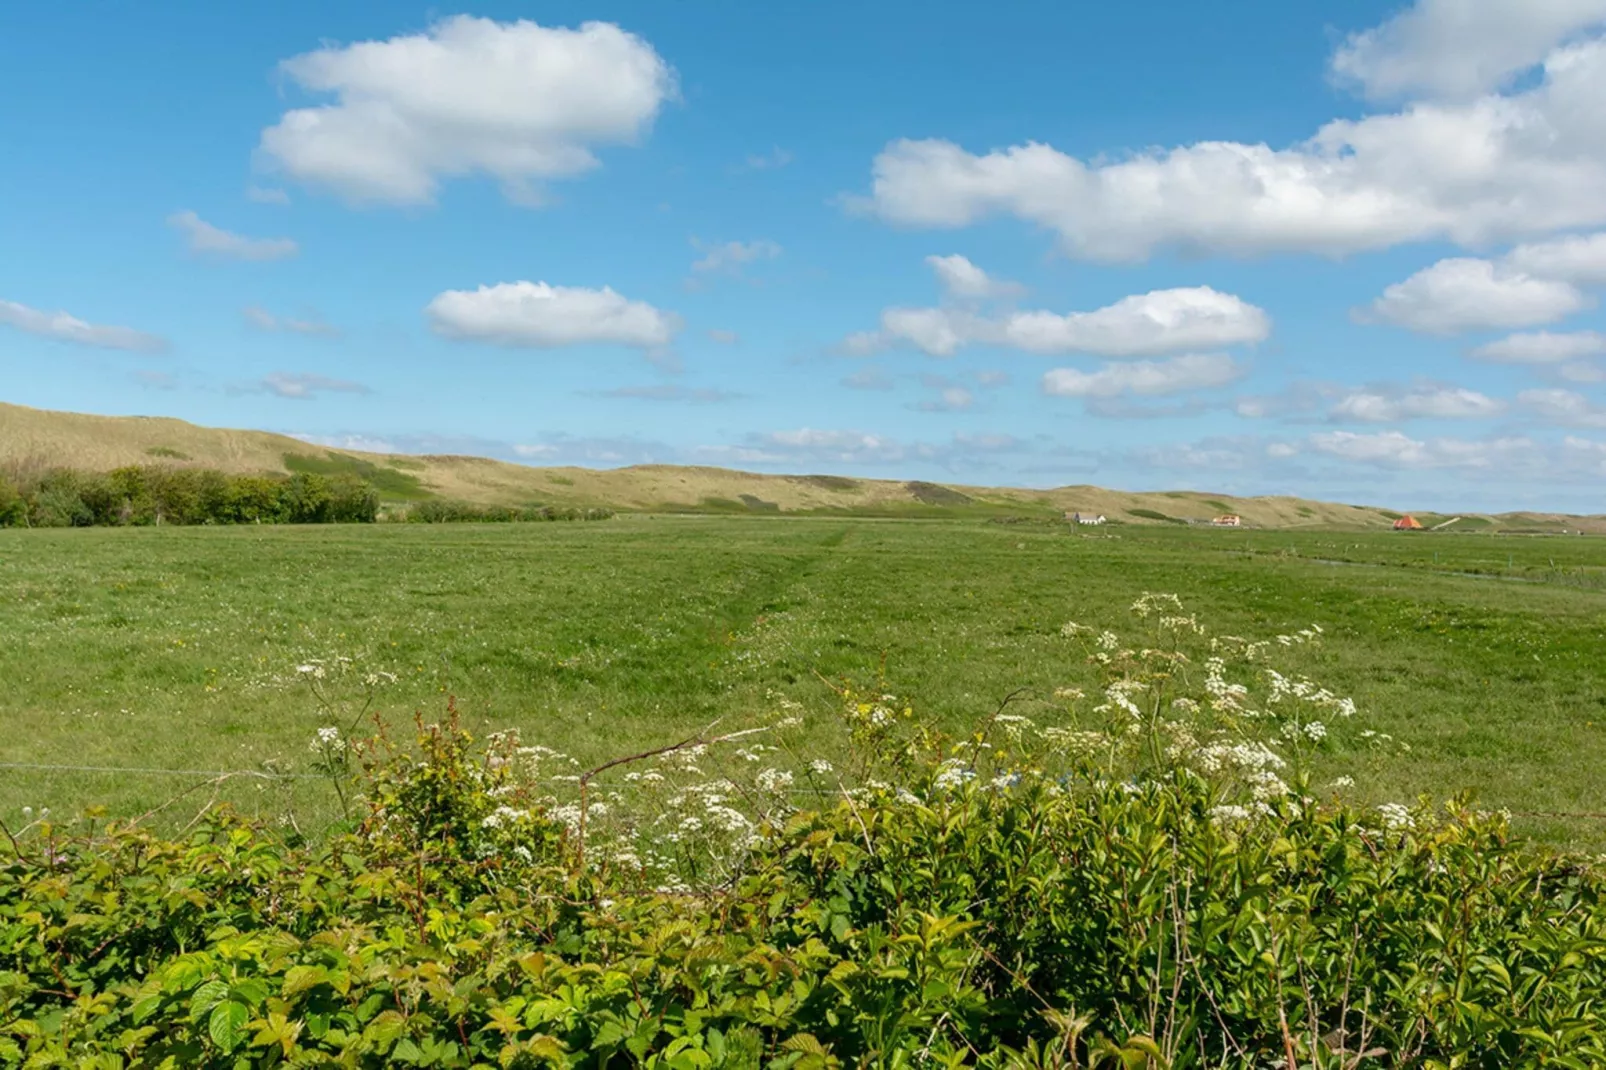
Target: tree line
(156, 494)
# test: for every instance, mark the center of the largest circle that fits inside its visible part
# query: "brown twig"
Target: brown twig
(15, 846)
(701, 739)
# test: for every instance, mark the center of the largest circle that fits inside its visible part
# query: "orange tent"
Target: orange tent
(1407, 523)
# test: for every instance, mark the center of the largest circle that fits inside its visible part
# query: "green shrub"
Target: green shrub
(441, 511)
(151, 494)
(13, 509)
(386, 479)
(1140, 878)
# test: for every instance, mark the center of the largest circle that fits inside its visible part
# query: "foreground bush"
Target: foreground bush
(156, 494)
(1068, 894)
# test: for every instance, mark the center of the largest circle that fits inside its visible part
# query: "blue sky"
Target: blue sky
(1349, 250)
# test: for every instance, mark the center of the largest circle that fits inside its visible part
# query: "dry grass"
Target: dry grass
(34, 437)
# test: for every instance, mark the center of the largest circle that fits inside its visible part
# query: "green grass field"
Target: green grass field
(178, 648)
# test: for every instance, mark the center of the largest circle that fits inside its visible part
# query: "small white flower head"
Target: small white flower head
(774, 780)
(1396, 818)
(1229, 814)
(1344, 782)
(327, 741)
(821, 767)
(952, 774)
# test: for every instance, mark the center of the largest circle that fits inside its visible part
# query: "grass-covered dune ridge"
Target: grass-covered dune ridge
(32, 438)
(1134, 870)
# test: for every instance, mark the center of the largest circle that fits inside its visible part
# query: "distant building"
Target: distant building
(1228, 520)
(1084, 518)
(1407, 523)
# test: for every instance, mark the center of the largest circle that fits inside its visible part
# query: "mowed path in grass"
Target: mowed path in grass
(178, 648)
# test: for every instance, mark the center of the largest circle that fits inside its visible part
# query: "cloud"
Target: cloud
(304, 386)
(263, 320)
(1395, 449)
(948, 399)
(1578, 258)
(723, 337)
(1445, 403)
(775, 159)
(732, 255)
(1160, 321)
(847, 447)
(960, 278)
(992, 378)
(266, 195)
(1467, 294)
(667, 392)
(205, 239)
(369, 443)
(868, 379)
(1215, 454)
(536, 315)
(1564, 407)
(517, 101)
(1542, 347)
(1145, 378)
(1584, 454)
(67, 328)
(1498, 167)
(1582, 372)
(1459, 48)
(532, 451)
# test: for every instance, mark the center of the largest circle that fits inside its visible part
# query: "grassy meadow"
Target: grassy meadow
(178, 649)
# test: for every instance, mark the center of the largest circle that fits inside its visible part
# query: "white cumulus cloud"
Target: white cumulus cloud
(1566, 407)
(203, 238)
(541, 316)
(1145, 378)
(517, 101)
(960, 278)
(1464, 293)
(1577, 258)
(68, 328)
(1501, 166)
(1459, 48)
(1161, 321)
(1542, 347)
(1395, 449)
(1445, 403)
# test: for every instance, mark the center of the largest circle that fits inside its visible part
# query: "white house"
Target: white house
(1079, 518)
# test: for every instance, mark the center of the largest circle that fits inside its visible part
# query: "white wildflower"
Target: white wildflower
(1228, 814)
(952, 774)
(1396, 818)
(774, 780)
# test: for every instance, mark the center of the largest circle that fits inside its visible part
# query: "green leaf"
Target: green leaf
(227, 1024)
(206, 997)
(297, 979)
(406, 1051)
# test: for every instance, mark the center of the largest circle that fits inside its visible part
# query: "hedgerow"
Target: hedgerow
(1132, 872)
(157, 494)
